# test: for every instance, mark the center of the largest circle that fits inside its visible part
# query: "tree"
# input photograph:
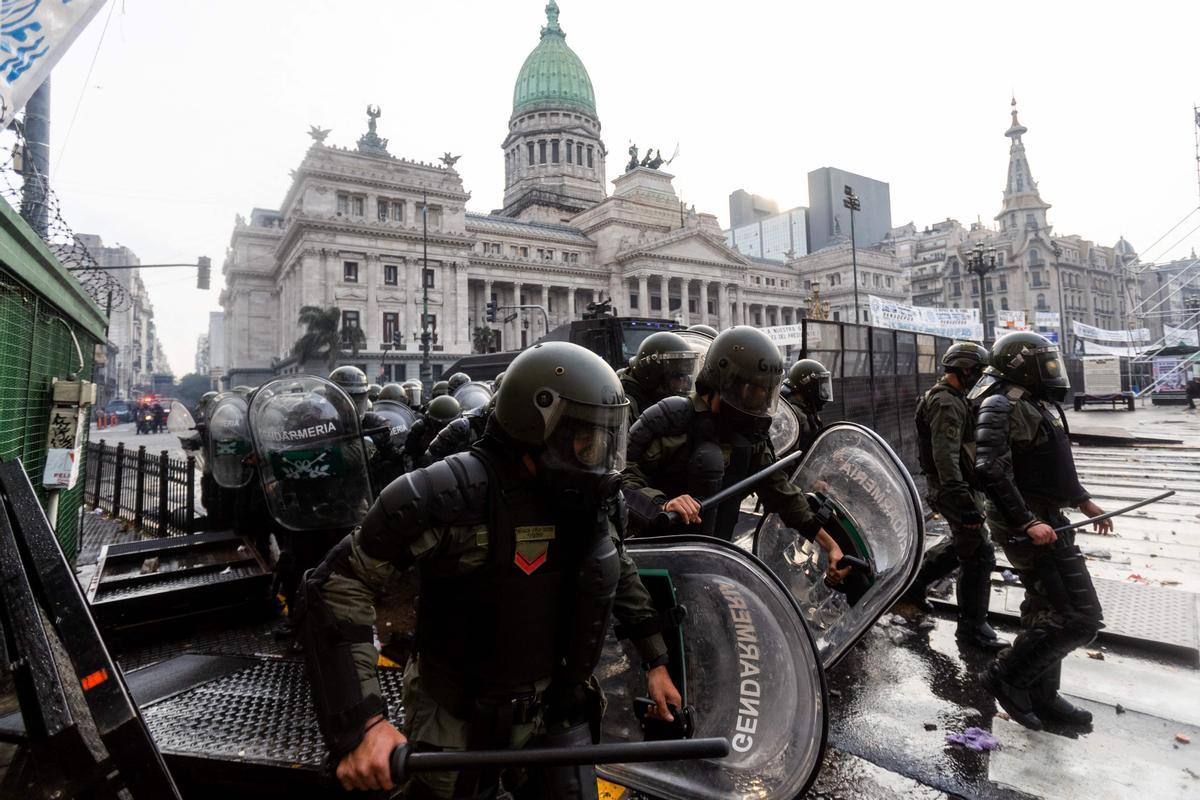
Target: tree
(190, 388)
(325, 336)
(483, 339)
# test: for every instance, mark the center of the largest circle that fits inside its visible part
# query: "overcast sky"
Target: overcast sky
(196, 111)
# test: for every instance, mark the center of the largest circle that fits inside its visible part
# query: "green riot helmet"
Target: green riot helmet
(665, 365)
(705, 329)
(810, 380)
(373, 391)
(353, 381)
(440, 388)
(496, 381)
(745, 368)
(458, 379)
(1031, 360)
(394, 392)
(442, 411)
(566, 406)
(968, 360)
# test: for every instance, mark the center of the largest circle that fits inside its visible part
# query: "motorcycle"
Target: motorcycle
(145, 422)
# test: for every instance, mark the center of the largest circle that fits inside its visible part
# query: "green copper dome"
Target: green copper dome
(553, 75)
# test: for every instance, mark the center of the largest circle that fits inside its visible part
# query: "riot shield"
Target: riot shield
(867, 501)
(742, 656)
(311, 457)
(399, 417)
(785, 429)
(229, 441)
(473, 395)
(180, 421)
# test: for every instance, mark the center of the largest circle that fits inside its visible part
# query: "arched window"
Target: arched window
(1004, 304)
(1035, 257)
(991, 307)
(1041, 303)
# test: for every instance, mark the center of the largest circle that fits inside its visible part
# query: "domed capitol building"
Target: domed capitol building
(349, 235)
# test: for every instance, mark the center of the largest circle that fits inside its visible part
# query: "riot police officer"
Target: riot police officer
(946, 447)
(807, 388)
(353, 382)
(416, 394)
(439, 389)
(373, 390)
(441, 412)
(664, 365)
(510, 620)
(457, 381)
(1023, 462)
(707, 330)
(684, 448)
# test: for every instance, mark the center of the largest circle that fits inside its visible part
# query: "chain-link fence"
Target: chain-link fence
(878, 374)
(37, 344)
(154, 492)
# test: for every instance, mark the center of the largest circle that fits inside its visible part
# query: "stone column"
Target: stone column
(704, 302)
(643, 296)
(573, 296)
(722, 305)
(514, 334)
(545, 318)
(685, 292)
(664, 294)
(412, 289)
(462, 309)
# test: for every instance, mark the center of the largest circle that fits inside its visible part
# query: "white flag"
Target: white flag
(1047, 319)
(34, 34)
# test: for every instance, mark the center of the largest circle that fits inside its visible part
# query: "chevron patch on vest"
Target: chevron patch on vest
(533, 542)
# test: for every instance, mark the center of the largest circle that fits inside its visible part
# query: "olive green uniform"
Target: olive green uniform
(456, 550)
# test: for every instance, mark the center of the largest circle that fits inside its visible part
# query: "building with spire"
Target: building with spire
(349, 235)
(1064, 277)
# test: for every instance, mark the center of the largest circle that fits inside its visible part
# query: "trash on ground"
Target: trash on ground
(931, 726)
(1096, 654)
(1183, 738)
(150, 565)
(1133, 576)
(1120, 708)
(1097, 553)
(1009, 577)
(976, 739)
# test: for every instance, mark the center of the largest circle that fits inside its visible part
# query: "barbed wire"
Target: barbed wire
(102, 286)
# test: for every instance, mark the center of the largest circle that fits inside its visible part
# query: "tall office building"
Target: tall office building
(827, 217)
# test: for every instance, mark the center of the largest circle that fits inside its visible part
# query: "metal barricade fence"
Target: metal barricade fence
(151, 490)
(878, 376)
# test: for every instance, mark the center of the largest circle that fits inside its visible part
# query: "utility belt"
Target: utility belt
(517, 707)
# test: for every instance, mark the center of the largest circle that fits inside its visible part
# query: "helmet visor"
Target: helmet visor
(587, 438)
(755, 393)
(679, 372)
(824, 386)
(1051, 369)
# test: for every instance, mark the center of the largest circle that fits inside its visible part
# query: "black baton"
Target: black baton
(665, 519)
(405, 761)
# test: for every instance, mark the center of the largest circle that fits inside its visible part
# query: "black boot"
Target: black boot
(939, 561)
(974, 590)
(1012, 699)
(1052, 706)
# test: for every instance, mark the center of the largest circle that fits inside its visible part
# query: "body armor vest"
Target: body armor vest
(1047, 470)
(966, 455)
(539, 607)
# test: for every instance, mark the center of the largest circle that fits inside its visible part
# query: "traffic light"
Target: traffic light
(203, 272)
(491, 311)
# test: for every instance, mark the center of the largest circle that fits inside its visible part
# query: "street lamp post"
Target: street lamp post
(981, 261)
(426, 335)
(851, 202)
